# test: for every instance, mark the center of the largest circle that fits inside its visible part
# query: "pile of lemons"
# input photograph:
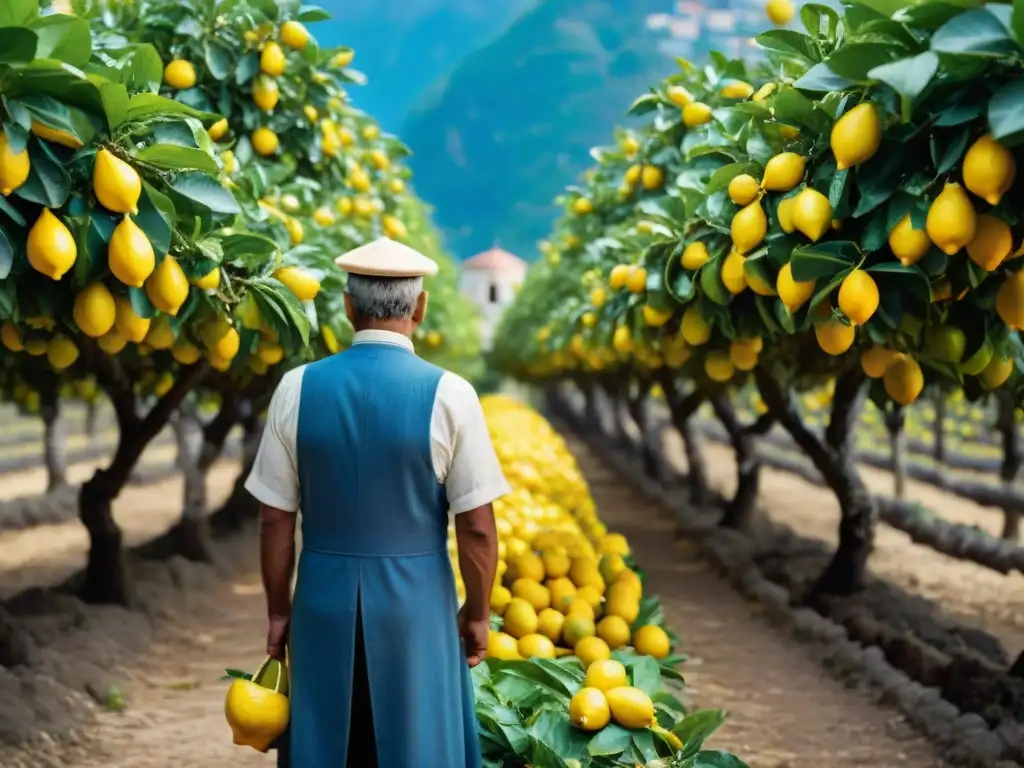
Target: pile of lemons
(563, 585)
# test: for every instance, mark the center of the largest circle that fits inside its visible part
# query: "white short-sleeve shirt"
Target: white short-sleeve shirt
(460, 445)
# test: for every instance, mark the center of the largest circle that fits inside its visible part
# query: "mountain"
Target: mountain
(496, 140)
(404, 45)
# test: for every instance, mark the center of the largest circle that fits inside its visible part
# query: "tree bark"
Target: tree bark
(1011, 463)
(106, 577)
(191, 535)
(741, 510)
(638, 412)
(847, 571)
(54, 438)
(681, 408)
(894, 421)
(240, 507)
(616, 393)
(90, 418)
(591, 412)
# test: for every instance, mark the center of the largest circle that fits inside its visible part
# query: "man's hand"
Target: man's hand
(474, 635)
(277, 636)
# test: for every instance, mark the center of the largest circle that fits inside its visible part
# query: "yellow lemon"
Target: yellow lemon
(590, 650)
(502, 646)
(270, 353)
(989, 169)
(907, 244)
(167, 287)
(562, 592)
(743, 189)
(996, 373)
(679, 96)
(582, 206)
(294, 35)
(783, 172)
(130, 254)
(51, 247)
(697, 113)
(856, 136)
(694, 328)
(734, 276)
(605, 675)
(792, 293)
(903, 380)
(737, 90)
(835, 337)
(742, 356)
(219, 129)
(718, 366)
(161, 335)
(875, 360)
(10, 337)
(14, 166)
(265, 93)
(258, 711)
(535, 646)
(500, 597)
(112, 343)
(94, 310)
(779, 12)
(951, 221)
(652, 177)
(117, 185)
(180, 74)
(272, 60)
(534, 593)
(520, 618)
(614, 630)
(630, 707)
(323, 216)
(858, 296)
(127, 322)
(812, 214)
(637, 280)
(1010, 300)
(298, 281)
(748, 228)
(580, 608)
(695, 256)
(652, 640)
(185, 353)
(576, 628)
(589, 710)
(61, 353)
(549, 624)
(992, 242)
(264, 141)
(785, 215)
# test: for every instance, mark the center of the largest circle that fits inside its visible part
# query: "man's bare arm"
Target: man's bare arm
(277, 559)
(477, 539)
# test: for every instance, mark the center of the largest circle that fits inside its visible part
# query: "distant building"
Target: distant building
(490, 280)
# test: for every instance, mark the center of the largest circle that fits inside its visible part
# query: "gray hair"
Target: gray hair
(384, 298)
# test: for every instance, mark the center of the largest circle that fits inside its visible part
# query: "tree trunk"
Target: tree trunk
(106, 576)
(240, 507)
(191, 534)
(54, 439)
(741, 509)
(90, 418)
(846, 573)
(591, 412)
(939, 446)
(681, 409)
(638, 412)
(616, 393)
(894, 420)
(1010, 466)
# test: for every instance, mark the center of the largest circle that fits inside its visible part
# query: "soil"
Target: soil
(967, 593)
(167, 659)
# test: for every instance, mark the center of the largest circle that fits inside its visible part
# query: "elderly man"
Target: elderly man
(377, 447)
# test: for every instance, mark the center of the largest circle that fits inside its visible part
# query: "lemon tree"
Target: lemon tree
(847, 212)
(111, 222)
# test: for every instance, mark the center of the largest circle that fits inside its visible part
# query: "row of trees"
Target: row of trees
(846, 212)
(177, 177)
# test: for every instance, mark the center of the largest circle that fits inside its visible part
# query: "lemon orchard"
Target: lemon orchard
(855, 218)
(577, 653)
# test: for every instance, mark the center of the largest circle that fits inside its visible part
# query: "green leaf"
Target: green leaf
(610, 740)
(115, 103)
(711, 285)
(6, 255)
(8, 300)
(695, 729)
(975, 32)
(855, 60)
(309, 13)
(910, 76)
(11, 212)
(820, 21)
(64, 37)
(910, 280)
(880, 177)
(820, 78)
(791, 106)
(17, 45)
(947, 147)
(174, 157)
(647, 102)
(146, 106)
(144, 70)
(812, 262)
(155, 216)
(206, 191)
(552, 729)
(140, 302)
(647, 675)
(1017, 21)
(48, 183)
(18, 13)
(1006, 110)
(238, 245)
(789, 41)
(720, 179)
(218, 60)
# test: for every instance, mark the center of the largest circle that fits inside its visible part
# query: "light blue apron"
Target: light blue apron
(374, 541)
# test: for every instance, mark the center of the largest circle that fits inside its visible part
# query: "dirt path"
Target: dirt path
(785, 710)
(975, 595)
